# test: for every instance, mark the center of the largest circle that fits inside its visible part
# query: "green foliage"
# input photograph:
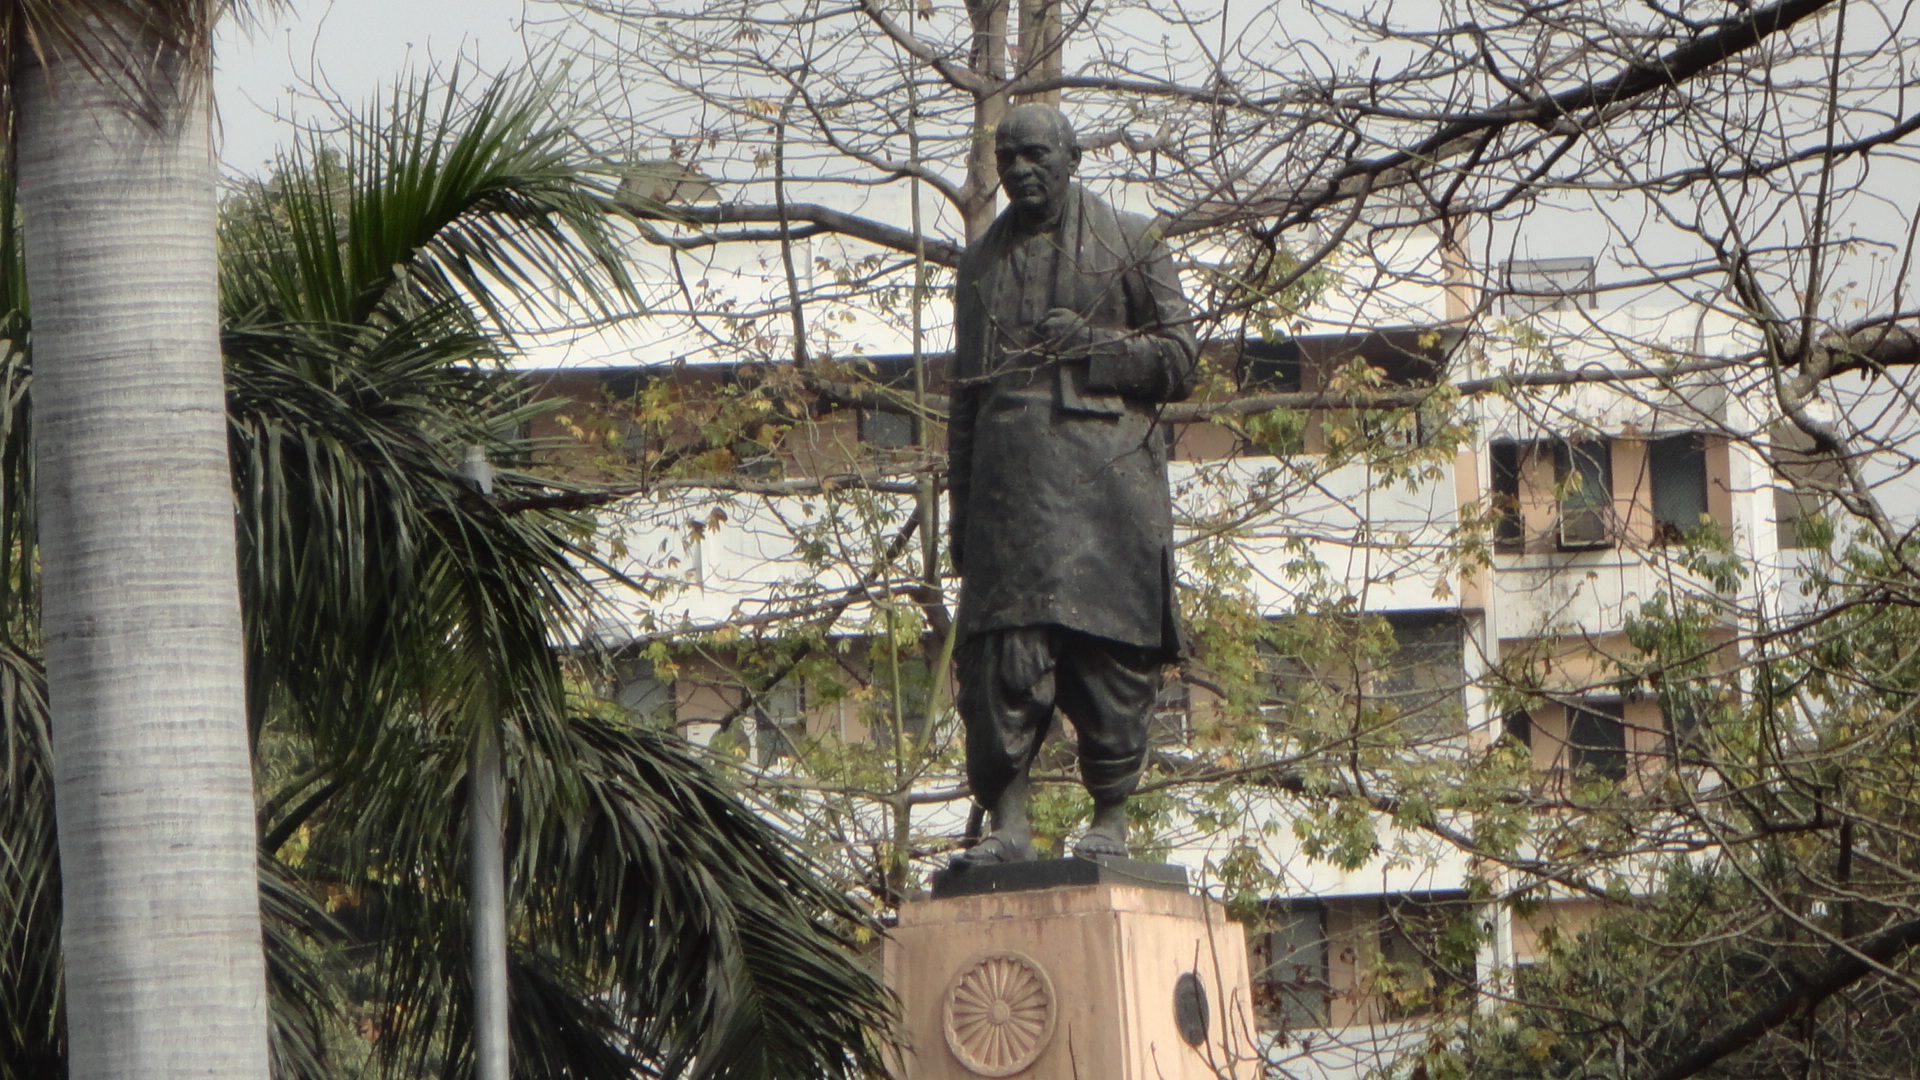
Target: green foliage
(1645, 985)
(658, 925)
(1788, 824)
(1271, 284)
(484, 207)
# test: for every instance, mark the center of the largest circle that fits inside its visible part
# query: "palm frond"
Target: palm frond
(699, 901)
(490, 205)
(32, 1005)
(661, 927)
(659, 919)
(19, 558)
(302, 998)
(364, 553)
(117, 41)
(561, 1031)
(32, 1027)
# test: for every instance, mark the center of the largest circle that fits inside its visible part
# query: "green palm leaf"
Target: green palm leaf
(32, 1027)
(660, 921)
(660, 927)
(488, 205)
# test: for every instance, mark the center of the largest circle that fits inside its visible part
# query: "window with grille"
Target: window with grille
(1292, 982)
(628, 441)
(779, 719)
(642, 693)
(1677, 475)
(1582, 496)
(1597, 739)
(1424, 676)
(1583, 478)
(1419, 676)
(1172, 719)
(1808, 479)
(1424, 961)
(887, 430)
(1535, 285)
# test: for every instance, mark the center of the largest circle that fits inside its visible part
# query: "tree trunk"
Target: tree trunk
(1042, 51)
(153, 783)
(988, 59)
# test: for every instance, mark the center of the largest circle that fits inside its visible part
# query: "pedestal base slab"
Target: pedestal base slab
(1090, 982)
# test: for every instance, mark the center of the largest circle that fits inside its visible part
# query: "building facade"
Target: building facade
(1453, 575)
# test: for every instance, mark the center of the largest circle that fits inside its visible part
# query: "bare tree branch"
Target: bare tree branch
(587, 498)
(823, 218)
(1857, 963)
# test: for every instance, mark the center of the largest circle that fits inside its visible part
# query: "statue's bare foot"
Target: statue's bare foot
(995, 849)
(1100, 842)
(1107, 835)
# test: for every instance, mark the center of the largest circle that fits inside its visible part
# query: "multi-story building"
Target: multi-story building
(1506, 547)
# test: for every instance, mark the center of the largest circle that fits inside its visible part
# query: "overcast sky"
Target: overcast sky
(351, 48)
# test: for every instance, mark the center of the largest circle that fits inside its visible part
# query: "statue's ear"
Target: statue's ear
(1073, 159)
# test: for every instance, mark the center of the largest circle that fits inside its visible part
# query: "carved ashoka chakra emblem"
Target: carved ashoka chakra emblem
(999, 1014)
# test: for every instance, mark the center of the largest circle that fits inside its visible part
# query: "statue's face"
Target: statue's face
(1037, 157)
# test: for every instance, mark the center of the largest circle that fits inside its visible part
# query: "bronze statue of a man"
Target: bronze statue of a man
(1069, 331)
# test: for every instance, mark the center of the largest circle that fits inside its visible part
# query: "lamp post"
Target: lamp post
(486, 860)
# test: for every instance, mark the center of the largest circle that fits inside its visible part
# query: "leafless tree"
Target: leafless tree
(1741, 168)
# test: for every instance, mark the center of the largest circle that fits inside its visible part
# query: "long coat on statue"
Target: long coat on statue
(1058, 468)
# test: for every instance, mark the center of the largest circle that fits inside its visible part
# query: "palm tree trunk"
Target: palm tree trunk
(153, 784)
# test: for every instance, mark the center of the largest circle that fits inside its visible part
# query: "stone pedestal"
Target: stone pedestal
(1103, 981)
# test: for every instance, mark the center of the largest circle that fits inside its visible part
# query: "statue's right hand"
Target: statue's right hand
(1063, 333)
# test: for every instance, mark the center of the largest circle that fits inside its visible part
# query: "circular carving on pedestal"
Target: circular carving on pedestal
(999, 1013)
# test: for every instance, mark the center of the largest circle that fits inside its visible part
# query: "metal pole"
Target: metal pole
(487, 862)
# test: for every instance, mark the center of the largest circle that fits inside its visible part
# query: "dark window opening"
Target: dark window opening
(779, 718)
(1518, 726)
(629, 441)
(1283, 678)
(900, 707)
(1292, 982)
(1509, 529)
(1597, 739)
(1426, 962)
(887, 430)
(757, 459)
(1532, 985)
(1682, 714)
(1399, 429)
(1677, 473)
(1583, 477)
(1796, 515)
(1270, 366)
(1809, 477)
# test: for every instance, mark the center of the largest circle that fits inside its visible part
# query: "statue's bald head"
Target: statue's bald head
(1038, 119)
(1037, 153)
